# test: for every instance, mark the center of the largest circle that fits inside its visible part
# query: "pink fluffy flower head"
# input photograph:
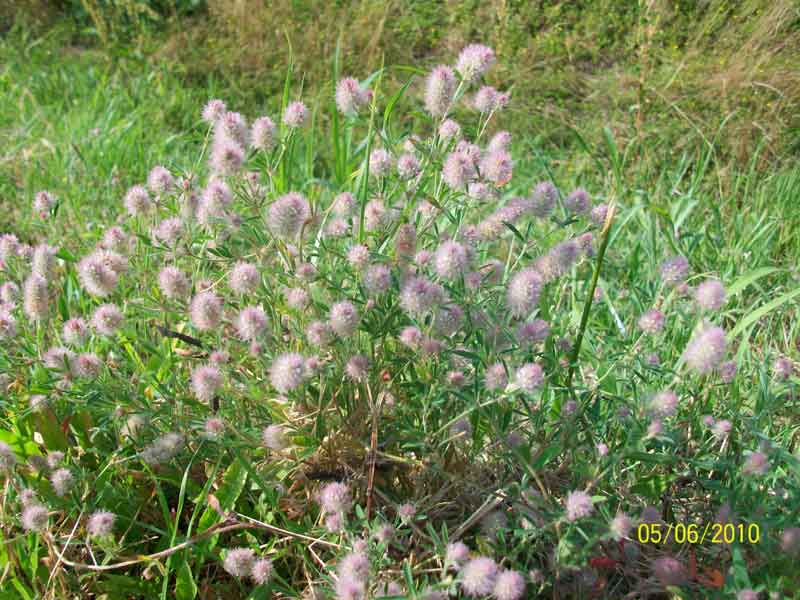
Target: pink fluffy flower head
(529, 377)
(407, 166)
(206, 382)
(101, 523)
(579, 505)
(107, 319)
(674, 270)
(213, 111)
(173, 283)
(239, 562)
(344, 318)
(458, 170)
(244, 278)
(380, 163)
(497, 167)
(578, 201)
(295, 115)
(509, 585)
(137, 201)
(706, 349)
(287, 372)
(478, 577)
(43, 261)
(35, 297)
(263, 134)
(449, 130)
(335, 498)
(523, 292)
(440, 87)
(251, 323)
(351, 97)
(451, 260)
(474, 60)
(651, 322)
(710, 295)
(274, 437)
(288, 214)
(160, 180)
(205, 311)
(96, 276)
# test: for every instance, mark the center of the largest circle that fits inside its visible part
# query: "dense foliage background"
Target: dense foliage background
(684, 116)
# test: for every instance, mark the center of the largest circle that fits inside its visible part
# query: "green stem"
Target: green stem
(606, 233)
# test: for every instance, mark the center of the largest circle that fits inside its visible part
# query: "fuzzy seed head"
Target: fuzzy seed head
(578, 201)
(440, 87)
(532, 332)
(62, 481)
(173, 283)
(664, 404)
(579, 505)
(295, 115)
(274, 437)
(377, 279)
(473, 62)
(160, 180)
(523, 292)
(227, 156)
(669, 571)
(264, 134)
(496, 377)
(251, 323)
(710, 295)
(137, 201)
(478, 577)
(205, 311)
(674, 270)
(288, 214)
(420, 296)
(451, 260)
(510, 585)
(651, 322)
(107, 319)
(163, 449)
(287, 372)
(620, 526)
(213, 111)
(458, 170)
(35, 297)
(351, 97)
(757, 463)
(407, 166)
(529, 377)
(262, 571)
(357, 367)
(344, 319)
(206, 382)
(101, 523)
(335, 498)
(239, 562)
(96, 276)
(34, 517)
(706, 349)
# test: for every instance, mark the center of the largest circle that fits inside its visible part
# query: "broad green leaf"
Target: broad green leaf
(185, 587)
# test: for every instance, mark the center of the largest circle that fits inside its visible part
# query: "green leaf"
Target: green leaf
(228, 493)
(185, 587)
(742, 282)
(761, 312)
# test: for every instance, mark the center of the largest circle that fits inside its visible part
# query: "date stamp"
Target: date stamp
(710, 533)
